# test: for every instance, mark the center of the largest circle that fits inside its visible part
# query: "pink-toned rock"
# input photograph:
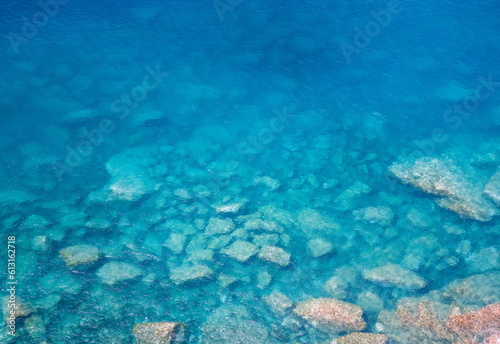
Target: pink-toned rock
(493, 339)
(331, 315)
(478, 290)
(159, 333)
(362, 338)
(417, 321)
(470, 325)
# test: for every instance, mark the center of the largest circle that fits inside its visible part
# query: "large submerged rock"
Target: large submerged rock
(312, 223)
(115, 272)
(275, 254)
(442, 178)
(395, 275)
(132, 175)
(478, 290)
(319, 247)
(492, 189)
(362, 338)
(471, 325)
(219, 226)
(159, 333)
(331, 315)
(468, 311)
(80, 255)
(190, 273)
(240, 250)
(417, 321)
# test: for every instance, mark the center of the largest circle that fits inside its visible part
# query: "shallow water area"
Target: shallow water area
(250, 172)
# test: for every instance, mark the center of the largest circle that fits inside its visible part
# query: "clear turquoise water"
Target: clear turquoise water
(257, 90)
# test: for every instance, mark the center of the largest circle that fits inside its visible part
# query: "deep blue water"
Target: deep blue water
(183, 96)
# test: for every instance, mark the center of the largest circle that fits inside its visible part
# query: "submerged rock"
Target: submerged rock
(337, 287)
(175, 243)
(262, 225)
(478, 290)
(271, 183)
(219, 226)
(115, 272)
(493, 339)
(379, 215)
(482, 323)
(182, 194)
(312, 223)
(347, 199)
(492, 189)
(416, 321)
(80, 255)
(264, 278)
(131, 175)
(219, 241)
(266, 239)
(426, 321)
(331, 315)
(395, 275)
(48, 302)
(370, 302)
(40, 243)
(190, 273)
(240, 250)
(362, 338)
(275, 254)
(98, 224)
(35, 327)
(159, 333)
(225, 281)
(20, 309)
(319, 247)
(200, 255)
(278, 303)
(488, 258)
(442, 178)
(231, 208)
